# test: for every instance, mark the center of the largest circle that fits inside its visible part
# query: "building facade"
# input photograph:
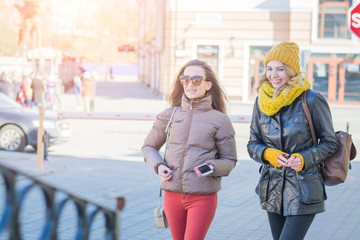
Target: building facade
(233, 37)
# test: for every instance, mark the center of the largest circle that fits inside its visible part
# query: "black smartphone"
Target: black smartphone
(203, 169)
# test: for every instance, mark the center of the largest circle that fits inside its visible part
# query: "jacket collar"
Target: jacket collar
(202, 104)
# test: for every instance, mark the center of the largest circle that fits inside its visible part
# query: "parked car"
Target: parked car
(19, 126)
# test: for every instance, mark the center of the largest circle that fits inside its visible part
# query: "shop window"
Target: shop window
(336, 76)
(332, 19)
(352, 81)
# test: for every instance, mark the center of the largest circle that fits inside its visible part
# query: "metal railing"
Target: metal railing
(10, 226)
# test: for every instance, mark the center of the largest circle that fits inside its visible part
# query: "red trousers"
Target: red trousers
(189, 216)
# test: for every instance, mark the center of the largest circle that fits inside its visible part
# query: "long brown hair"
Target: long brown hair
(294, 80)
(217, 93)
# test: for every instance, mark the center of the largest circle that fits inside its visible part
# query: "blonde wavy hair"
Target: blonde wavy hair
(295, 80)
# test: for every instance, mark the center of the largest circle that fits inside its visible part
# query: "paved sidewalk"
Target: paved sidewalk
(238, 215)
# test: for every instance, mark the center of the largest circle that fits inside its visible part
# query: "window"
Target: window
(332, 19)
(256, 67)
(210, 54)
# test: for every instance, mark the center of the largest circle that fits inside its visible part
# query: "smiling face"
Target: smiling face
(275, 72)
(195, 92)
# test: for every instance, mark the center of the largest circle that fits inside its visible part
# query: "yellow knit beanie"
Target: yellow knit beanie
(287, 53)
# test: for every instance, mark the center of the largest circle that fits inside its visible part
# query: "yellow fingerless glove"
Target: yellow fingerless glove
(302, 160)
(271, 155)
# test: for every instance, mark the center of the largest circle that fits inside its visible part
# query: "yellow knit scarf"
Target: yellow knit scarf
(270, 105)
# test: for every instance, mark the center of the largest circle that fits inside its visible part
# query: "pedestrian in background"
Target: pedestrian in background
(38, 89)
(24, 96)
(290, 188)
(77, 92)
(88, 91)
(200, 133)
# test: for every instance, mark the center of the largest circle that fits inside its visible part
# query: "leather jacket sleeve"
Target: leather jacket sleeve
(324, 130)
(255, 146)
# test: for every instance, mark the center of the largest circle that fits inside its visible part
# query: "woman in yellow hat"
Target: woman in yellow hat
(290, 188)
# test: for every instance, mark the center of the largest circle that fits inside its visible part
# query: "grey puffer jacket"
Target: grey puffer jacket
(283, 190)
(198, 134)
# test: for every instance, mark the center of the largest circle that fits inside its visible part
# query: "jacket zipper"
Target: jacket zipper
(185, 143)
(283, 173)
(283, 170)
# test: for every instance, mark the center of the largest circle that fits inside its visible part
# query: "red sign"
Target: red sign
(126, 48)
(354, 19)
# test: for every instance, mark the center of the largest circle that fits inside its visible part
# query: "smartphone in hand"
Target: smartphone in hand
(203, 169)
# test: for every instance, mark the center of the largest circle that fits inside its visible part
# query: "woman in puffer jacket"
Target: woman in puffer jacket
(291, 188)
(200, 133)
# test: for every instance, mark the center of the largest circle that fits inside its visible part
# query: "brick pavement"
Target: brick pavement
(238, 215)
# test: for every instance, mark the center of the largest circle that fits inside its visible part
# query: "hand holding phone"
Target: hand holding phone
(204, 169)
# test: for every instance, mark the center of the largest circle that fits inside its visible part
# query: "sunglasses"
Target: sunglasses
(196, 80)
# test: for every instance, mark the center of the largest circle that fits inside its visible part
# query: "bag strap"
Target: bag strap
(160, 198)
(167, 131)
(308, 115)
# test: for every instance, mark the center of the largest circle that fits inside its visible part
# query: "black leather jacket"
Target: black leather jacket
(283, 190)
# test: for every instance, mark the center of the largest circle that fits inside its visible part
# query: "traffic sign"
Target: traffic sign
(354, 19)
